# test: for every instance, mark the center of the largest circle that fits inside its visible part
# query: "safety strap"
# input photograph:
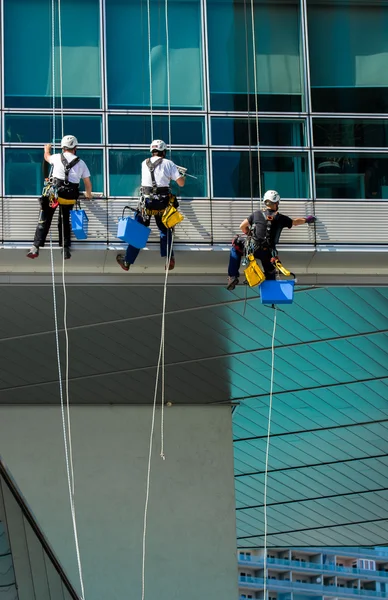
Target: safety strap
(68, 165)
(152, 166)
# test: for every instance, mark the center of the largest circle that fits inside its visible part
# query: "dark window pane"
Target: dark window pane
(243, 132)
(350, 175)
(125, 167)
(371, 133)
(284, 172)
(129, 129)
(128, 55)
(278, 55)
(348, 56)
(28, 60)
(39, 128)
(24, 170)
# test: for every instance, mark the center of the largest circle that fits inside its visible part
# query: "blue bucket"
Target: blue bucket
(79, 223)
(277, 292)
(132, 232)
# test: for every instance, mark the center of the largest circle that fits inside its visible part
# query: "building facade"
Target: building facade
(314, 573)
(307, 79)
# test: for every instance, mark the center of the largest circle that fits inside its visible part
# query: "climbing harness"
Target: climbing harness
(65, 415)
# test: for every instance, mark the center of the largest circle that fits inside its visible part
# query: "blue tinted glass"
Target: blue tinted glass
(232, 172)
(350, 73)
(131, 129)
(347, 175)
(243, 132)
(367, 133)
(28, 59)
(125, 167)
(24, 170)
(277, 49)
(39, 128)
(127, 44)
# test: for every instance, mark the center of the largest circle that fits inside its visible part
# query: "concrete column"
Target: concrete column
(191, 547)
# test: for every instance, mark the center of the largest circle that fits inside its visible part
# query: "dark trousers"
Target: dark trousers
(165, 239)
(263, 255)
(45, 218)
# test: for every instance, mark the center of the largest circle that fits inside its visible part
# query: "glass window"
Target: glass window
(127, 44)
(285, 172)
(125, 166)
(24, 170)
(136, 129)
(367, 133)
(278, 55)
(348, 73)
(243, 132)
(28, 59)
(351, 175)
(35, 129)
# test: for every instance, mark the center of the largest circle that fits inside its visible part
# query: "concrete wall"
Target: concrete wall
(191, 526)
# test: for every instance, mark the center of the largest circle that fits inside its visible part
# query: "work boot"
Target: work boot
(171, 264)
(33, 252)
(120, 259)
(232, 282)
(66, 252)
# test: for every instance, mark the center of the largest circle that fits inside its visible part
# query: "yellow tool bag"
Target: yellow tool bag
(171, 217)
(253, 274)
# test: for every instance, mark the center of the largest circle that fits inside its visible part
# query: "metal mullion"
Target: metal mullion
(103, 63)
(347, 149)
(286, 149)
(144, 112)
(205, 57)
(350, 115)
(262, 115)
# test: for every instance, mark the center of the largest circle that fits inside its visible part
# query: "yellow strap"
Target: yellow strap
(64, 201)
(282, 269)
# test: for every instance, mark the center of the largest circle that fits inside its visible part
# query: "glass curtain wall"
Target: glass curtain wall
(213, 77)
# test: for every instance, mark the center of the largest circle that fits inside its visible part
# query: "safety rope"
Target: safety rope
(267, 454)
(160, 368)
(150, 65)
(168, 76)
(256, 101)
(66, 430)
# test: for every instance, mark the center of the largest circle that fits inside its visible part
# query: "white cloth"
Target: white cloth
(164, 172)
(79, 171)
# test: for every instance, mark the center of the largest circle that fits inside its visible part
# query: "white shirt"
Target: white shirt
(163, 173)
(79, 171)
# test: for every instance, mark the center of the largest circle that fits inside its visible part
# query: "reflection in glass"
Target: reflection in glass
(233, 173)
(243, 132)
(348, 56)
(351, 176)
(28, 60)
(136, 129)
(24, 170)
(125, 167)
(128, 55)
(278, 55)
(369, 133)
(35, 129)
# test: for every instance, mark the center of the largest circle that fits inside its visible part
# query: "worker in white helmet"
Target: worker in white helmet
(67, 170)
(264, 227)
(156, 175)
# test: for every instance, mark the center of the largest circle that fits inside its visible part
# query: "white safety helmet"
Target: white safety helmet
(69, 141)
(271, 197)
(158, 146)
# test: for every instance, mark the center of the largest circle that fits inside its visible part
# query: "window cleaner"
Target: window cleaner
(263, 229)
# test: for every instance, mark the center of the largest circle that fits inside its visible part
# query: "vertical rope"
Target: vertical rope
(267, 455)
(69, 470)
(150, 65)
(168, 76)
(148, 480)
(256, 99)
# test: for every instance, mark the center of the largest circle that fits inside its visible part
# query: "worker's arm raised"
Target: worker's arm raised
(303, 220)
(47, 152)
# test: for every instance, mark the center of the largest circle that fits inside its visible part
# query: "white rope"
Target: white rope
(150, 65)
(60, 65)
(66, 435)
(256, 99)
(168, 76)
(267, 455)
(158, 369)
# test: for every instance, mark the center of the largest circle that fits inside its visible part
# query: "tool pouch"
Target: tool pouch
(253, 274)
(171, 217)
